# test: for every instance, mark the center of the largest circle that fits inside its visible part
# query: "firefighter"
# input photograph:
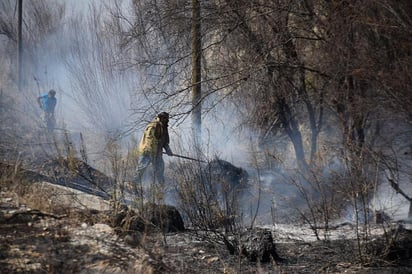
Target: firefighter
(47, 103)
(155, 138)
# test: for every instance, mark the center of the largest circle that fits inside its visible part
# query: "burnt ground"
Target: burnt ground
(37, 236)
(34, 241)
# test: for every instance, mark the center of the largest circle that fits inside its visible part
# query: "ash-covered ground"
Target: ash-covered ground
(68, 240)
(51, 228)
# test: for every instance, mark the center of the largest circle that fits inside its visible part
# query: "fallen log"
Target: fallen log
(21, 216)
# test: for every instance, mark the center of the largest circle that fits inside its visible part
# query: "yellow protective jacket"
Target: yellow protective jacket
(155, 138)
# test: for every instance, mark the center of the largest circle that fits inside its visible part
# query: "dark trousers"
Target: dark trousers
(49, 121)
(158, 168)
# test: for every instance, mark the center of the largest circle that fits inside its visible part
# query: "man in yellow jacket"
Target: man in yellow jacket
(155, 138)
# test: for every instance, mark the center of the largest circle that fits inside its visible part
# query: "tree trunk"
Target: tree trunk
(20, 44)
(196, 72)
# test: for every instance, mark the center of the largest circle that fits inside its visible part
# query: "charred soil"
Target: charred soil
(63, 239)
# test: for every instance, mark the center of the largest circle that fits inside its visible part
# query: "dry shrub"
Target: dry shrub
(208, 194)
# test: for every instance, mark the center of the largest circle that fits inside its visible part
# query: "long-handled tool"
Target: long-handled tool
(188, 158)
(38, 85)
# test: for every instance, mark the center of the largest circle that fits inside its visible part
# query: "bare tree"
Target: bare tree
(366, 58)
(20, 43)
(196, 72)
(242, 56)
(40, 21)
